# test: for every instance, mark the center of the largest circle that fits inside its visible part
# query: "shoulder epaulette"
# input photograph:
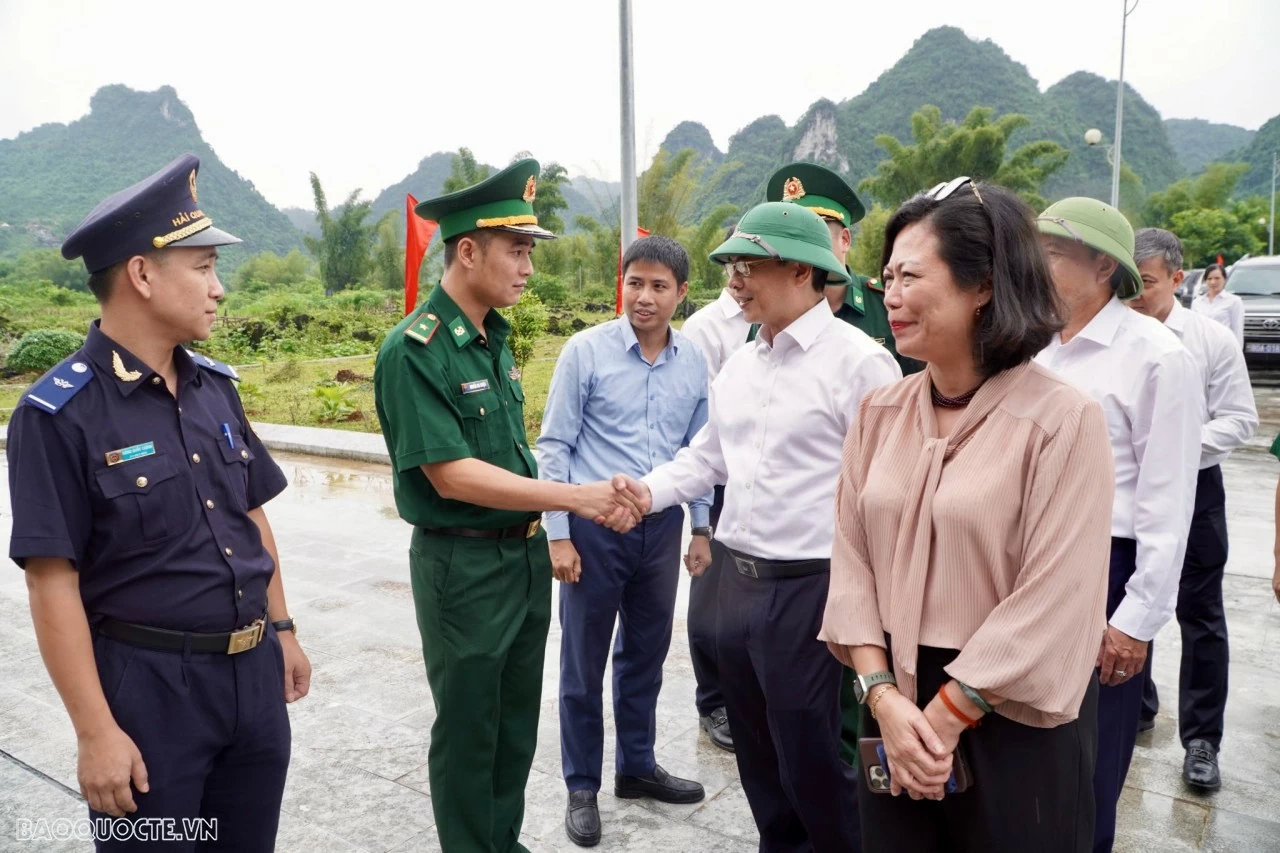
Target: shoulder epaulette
(875, 284)
(56, 388)
(216, 366)
(424, 328)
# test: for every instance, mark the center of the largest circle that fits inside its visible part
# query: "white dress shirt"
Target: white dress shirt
(1150, 391)
(1227, 309)
(719, 330)
(780, 411)
(1233, 415)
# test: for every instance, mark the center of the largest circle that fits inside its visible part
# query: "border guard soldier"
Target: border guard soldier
(860, 303)
(137, 488)
(451, 406)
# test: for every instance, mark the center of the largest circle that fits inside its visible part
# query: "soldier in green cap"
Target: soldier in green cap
(860, 303)
(451, 407)
(774, 439)
(1151, 392)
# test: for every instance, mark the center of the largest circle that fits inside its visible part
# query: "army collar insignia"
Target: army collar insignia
(117, 365)
(461, 334)
(514, 373)
(530, 190)
(792, 190)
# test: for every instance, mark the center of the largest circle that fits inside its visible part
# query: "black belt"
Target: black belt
(230, 643)
(758, 567)
(525, 530)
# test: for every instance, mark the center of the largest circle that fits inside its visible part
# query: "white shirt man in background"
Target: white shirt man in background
(1150, 391)
(1232, 418)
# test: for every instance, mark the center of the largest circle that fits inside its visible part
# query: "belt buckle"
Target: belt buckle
(534, 527)
(245, 638)
(746, 567)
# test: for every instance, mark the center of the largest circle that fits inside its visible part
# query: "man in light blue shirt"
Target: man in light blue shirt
(625, 397)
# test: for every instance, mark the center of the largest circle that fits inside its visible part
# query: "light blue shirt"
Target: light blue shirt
(611, 412)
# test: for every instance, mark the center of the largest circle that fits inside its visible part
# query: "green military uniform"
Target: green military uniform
(446, 390)
(830, 196)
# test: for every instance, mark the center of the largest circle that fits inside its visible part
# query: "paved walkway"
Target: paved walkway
(358, 780)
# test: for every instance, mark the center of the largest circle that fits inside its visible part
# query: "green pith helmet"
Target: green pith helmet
(1100, 227)
(817, 188)
(785, 232)
(503, 202)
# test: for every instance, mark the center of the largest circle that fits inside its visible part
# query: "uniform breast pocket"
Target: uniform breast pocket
(146, 495)
(236, 466)
(482, 423)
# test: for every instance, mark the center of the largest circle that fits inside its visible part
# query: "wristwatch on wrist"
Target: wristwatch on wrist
(862, 684)
(285, 625)
(702, 531)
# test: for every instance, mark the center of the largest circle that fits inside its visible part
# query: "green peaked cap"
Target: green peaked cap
(503, 201)
(818, 188)
(1100, 227)
(784, 232)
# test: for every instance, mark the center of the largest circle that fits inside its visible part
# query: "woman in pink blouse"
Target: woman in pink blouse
(968, 573)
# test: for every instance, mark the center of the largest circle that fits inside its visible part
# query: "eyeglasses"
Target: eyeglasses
(1062, 223)
(947, 188)
(741, 268)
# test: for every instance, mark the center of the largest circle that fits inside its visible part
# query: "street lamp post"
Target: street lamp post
(1115, 164)
(1271, 223)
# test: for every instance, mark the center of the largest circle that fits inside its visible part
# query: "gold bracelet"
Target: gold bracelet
(875, 700)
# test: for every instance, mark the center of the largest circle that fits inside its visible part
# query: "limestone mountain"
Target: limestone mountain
(52, 175)
(1198, 142)
(1258, 154)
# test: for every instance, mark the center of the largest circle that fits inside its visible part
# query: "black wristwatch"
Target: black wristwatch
(285, 625)
(702, 531)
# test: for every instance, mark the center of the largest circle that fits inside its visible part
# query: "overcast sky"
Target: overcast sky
(362, 93)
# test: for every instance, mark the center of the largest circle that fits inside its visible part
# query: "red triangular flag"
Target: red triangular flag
(640, 232)
(417, 236)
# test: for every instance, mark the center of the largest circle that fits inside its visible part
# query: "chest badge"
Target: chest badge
(128, 454)
(475, 387)
(514, 374)
(117, 364)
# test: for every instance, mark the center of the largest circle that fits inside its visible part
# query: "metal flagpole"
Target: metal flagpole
(1271, 223)
(629, 215)
(1115, 165)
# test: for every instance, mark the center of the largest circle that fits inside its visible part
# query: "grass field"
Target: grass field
(336, 393)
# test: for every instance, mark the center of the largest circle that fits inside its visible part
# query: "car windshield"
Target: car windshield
(1255, 281)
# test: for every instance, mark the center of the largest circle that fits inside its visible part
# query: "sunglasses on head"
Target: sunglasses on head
(948, 188)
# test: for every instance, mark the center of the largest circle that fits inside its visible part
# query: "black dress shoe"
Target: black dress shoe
(1200, 769)
(658, 785)
(1146, 725)
(582, 819)
(716, 725)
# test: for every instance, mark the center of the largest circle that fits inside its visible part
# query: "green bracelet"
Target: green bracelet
(975, 697)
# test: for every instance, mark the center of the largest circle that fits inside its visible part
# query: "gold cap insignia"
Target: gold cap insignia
(792, 189)
(117, 364)
(530, 189)
(191, 182)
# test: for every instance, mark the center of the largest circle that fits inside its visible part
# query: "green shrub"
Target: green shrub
(336, 403)
(41, 349)
(528, 319)
(549, 289)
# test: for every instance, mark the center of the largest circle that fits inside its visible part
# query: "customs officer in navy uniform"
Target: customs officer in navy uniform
(138, 488)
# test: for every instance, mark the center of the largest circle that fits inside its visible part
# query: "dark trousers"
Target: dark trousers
(1032, 787)
(632, 578)
(1118, 710)
(782, 693)
(704, 594)
(214, 736)
(1202, 681)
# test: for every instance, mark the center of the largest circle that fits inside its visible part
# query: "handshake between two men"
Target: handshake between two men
(618, 504)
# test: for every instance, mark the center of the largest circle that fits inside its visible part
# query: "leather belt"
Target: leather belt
(758, 567)
(527, 530)
(162, 639)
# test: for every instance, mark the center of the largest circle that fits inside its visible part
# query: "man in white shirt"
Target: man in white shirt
(774, 438)
(718, 330)
(1232, 418)
(1149, 388)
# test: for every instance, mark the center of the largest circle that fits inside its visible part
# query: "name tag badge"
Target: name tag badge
(475, 387)
(128, 454)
